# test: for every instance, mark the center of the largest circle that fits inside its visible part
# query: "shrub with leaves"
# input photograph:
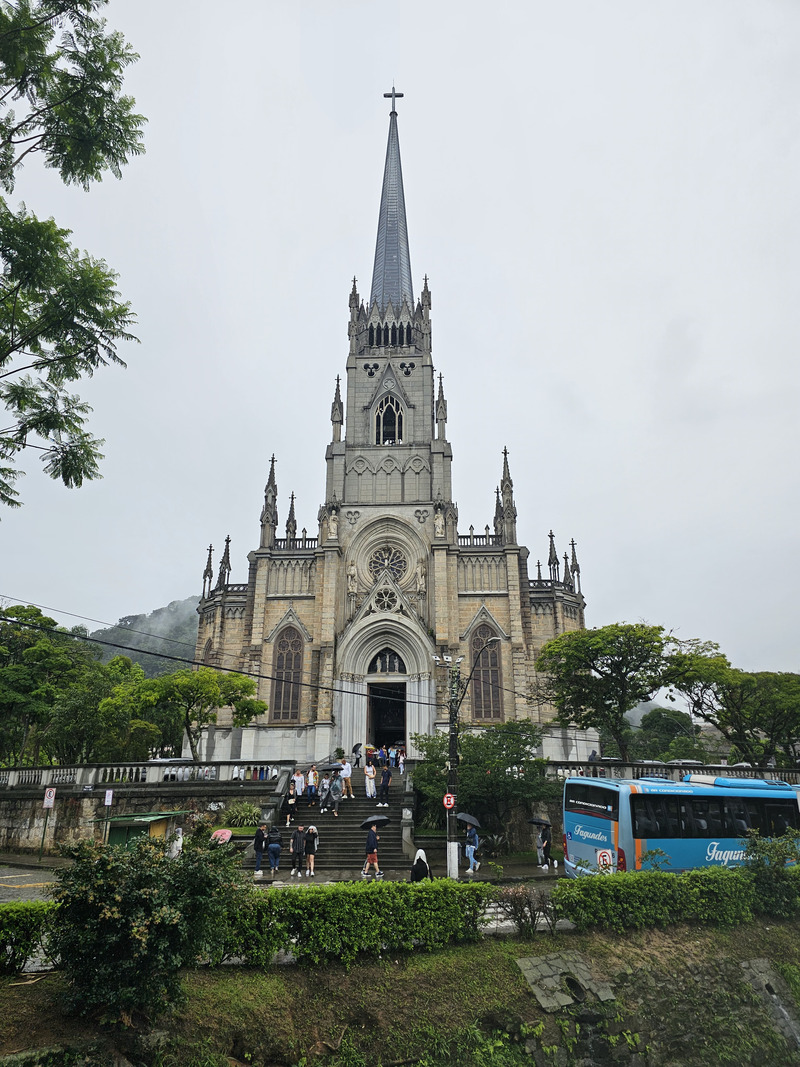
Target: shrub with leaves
(242, 813)
(23, 931)
(129, 919)
(772, 862)
(525, 906)
(344, 921)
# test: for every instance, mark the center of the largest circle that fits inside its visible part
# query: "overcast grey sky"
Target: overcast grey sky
(605, 200)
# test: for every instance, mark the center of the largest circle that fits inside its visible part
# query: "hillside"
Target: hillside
(170, 631)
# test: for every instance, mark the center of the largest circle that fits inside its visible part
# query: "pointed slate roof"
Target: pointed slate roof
(391, 275)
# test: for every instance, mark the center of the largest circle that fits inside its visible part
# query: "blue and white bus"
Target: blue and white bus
(702, 821)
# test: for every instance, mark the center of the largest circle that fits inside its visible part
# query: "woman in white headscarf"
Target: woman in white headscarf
(420, 869)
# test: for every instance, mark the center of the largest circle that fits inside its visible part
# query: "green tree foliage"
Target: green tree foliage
(594, 677)
(129, 919)
(194, 697)
(667, 733)
(758, 713)
(37, 664)
(498, 772)
(61, 317)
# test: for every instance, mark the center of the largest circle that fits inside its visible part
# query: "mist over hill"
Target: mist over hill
(170, 631)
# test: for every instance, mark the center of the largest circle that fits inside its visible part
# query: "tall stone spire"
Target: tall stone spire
(224, 565)
(441, 412)
(575, 568)
(337, 413)
(291, 522)
(208, 573)
(552, 559)
(269, 513)
(391, 275)
(509, 508)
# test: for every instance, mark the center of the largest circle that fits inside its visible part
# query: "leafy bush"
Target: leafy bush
(639, 899)
(128, 919)
(525, 906)
(344, 921)
(23, 930)
(772, 862)
(242, 813)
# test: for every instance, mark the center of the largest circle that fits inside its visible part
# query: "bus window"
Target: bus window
(737, 817)
(655, 816)
(588, 799)
(779, 816)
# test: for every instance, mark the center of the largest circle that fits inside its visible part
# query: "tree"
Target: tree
(60, 313)
(758, 713)
(667, 733)
(197, 695)
(498, 771)
(594, 677)
(128, 919)
(37, 664)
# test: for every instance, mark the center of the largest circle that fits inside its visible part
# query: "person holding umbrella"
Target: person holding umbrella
(324, 792)
(472, 844)
(371, 846)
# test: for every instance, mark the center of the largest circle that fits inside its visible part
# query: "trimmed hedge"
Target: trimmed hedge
(23, 930)
(639, 899)
(344, 921)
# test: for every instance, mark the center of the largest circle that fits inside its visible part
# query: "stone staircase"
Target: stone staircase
(341, 840)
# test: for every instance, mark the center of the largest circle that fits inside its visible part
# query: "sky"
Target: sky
(604, 198)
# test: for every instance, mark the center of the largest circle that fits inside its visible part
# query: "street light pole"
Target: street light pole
(457, 690)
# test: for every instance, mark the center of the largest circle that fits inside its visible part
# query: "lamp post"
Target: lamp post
(457, 690)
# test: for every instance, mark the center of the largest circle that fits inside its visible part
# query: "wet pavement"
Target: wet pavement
(24, 883)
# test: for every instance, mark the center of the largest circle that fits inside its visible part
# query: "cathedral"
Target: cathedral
(342, 628)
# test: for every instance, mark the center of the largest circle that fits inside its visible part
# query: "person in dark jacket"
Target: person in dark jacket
(371, 849)
(289, 805)
(312, 843)
(297, 847)
(259, 841)
(274, 846)
(420, 869)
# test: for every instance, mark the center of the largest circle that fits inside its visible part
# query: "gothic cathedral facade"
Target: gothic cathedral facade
(342, 629)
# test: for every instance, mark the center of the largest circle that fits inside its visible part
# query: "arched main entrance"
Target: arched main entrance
(386, 699)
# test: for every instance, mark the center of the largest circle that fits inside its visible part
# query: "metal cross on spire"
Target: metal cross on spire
(393, 95)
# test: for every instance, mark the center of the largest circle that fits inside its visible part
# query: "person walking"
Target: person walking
(312, 843)
(371, 849)
(289, 805)
(539, 847)
(259, 842)
(274, 846)
(401, 760)
(386, 781)
(299, 782)
(420, 869)
(297, 847)
(335, 794)
(357, 754)
(369, 779)
(324, 792)
(344, 773)
(547, 841)
(312, 781)
(471, 846)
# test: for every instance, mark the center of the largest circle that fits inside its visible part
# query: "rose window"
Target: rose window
(386, 600)
(389, 559)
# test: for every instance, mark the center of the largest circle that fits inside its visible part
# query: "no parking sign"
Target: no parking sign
(49, 797)
(449, 801)
(605, 858)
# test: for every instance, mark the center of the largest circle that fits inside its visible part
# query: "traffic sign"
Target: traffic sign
(449, 801)
(605, 858)
(49, 797)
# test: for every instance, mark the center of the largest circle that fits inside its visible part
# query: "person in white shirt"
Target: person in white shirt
(344, 774)
(369, 779)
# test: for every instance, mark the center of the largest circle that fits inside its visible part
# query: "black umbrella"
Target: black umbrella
(332, 767)
(470, 820)
(540, 822)
(357, 748)
(375, 820)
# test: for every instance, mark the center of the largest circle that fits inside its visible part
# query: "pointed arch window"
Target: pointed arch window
(389, 422)
(288, 673)
(487, 692)
(387, 662)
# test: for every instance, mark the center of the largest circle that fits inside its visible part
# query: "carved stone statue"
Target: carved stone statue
(421, 576)
(438, 524)
(333, 523)
(352, 577)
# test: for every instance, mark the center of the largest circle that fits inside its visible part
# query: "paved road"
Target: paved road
(24, 883)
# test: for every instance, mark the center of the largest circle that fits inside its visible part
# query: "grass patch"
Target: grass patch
(463, 1005)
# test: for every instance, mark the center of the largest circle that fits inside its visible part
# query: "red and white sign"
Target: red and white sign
(605, 858)
(109, 798)
(49, 798)
(449, 801)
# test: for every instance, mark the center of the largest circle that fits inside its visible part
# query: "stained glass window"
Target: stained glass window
(487, 694)
(288, 669)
